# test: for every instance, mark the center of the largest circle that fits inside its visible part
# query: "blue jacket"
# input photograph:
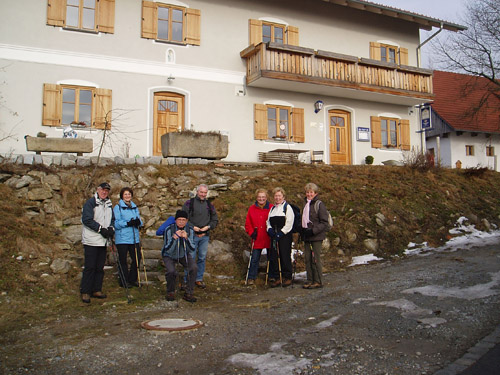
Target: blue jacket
(175, 248)
(124, 213)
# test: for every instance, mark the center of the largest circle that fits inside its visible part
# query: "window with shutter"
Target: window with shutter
(76, 106)
(82, 15)
(388, 53)
(278, 123)
(264, 31)
(170, 23)
(390, 133)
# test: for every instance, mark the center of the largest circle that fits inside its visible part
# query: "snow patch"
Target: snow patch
(328, 322)
(363, 259)
(408, 308)
(470, 293)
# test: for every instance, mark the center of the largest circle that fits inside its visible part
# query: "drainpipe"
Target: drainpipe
(424, 42)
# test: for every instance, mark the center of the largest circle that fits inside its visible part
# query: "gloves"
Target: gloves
(271, 232)
(131, 223)
(254, 234)
(279, 234)
(108, 232)
(308, 233)
(136, 222)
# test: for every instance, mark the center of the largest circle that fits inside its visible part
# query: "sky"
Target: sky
(446, 10)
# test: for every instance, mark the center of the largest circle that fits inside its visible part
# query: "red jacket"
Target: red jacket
(256, 218)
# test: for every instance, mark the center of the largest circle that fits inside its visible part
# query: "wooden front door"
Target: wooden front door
(340, 139)
(168, 116)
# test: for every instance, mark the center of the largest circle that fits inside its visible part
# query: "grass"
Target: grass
(417, 204)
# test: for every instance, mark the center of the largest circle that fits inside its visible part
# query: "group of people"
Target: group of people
(270, 227)
(186, 237)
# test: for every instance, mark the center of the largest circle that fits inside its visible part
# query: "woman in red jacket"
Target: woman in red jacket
(255, 226)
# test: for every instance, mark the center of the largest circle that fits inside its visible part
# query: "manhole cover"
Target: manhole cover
(171, 324)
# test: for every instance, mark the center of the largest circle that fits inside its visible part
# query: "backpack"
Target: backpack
(297, 217)
(330, 220)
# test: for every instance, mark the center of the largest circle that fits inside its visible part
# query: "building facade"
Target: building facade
(129, 71)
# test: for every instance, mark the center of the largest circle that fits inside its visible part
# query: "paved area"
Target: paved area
(482, 359)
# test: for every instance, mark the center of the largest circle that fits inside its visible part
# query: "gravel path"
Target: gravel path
(407, 316)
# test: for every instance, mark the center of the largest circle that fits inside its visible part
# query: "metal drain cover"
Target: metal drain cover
(172, 325)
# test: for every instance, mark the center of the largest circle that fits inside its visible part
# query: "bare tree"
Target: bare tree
(475, 51)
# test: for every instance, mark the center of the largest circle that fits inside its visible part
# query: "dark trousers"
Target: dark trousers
(171, 272)
(93, 270)
(283, 246)
(130, 275)
(312, 253)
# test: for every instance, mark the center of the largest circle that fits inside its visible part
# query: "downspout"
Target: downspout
(424, 42)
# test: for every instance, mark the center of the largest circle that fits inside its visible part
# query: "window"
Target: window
(82, 106)
(263, 31)
(169, 23)
(83, 15)
(274, 122)
(469, 150)
(490, 151)
(390, 133)
(388, 53)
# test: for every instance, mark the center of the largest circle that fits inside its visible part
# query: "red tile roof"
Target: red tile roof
(456, 97)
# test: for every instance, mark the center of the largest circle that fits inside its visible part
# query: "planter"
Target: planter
(190, 144)
(62, 145)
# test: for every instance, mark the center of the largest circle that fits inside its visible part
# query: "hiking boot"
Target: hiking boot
(307, 285)
(99, 295)
(200, 284)
(250, 282)
(316, 286)
(86, 298)
(170, 297)
(189, 298)
(275, 284)
(287, 282)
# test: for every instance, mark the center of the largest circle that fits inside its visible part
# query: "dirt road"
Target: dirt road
(406, 316)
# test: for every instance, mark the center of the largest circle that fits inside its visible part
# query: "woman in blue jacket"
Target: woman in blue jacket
(127, 223)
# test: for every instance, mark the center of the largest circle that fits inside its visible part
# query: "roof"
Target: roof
(456, 97)
(424, 22)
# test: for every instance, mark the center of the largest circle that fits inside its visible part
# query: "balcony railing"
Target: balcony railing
(291, 63)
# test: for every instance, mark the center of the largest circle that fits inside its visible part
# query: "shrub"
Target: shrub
(369, 159)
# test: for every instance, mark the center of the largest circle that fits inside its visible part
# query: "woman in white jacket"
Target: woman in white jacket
(279, 228)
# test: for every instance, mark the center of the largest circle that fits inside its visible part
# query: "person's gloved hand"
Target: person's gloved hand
(279, 234)
(271, 232)
(254, 234)
(111, 232)
(131, 223)
(308, 233)
(137, 222)
(104, 232)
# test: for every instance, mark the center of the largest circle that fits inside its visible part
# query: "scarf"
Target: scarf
(305, 214)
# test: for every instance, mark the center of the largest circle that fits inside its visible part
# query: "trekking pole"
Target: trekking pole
(187, 264)
(138, 269)
(121, 275)
(143, 265)
(279, 261)
(249, 262)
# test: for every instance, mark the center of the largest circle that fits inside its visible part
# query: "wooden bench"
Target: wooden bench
(278, 157)
(316, 157)
(62, 145)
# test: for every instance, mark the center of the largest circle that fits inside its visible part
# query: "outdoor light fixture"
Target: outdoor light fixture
(318, 106)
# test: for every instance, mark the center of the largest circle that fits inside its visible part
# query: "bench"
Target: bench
(62, 145)
(316, 157)
(278, 157)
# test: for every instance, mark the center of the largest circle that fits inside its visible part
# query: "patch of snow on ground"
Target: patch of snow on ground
(470, 293)
(328, 322)
(363, 259)
(408, 308)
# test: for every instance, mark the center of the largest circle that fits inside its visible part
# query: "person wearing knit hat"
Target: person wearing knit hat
(178, 245)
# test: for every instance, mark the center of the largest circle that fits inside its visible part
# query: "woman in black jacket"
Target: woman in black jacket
(315, 225)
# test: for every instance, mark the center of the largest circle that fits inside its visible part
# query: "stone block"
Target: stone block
(83, 161)
(72, 145)
(190, 144)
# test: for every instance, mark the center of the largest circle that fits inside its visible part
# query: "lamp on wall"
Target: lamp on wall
(318, 106)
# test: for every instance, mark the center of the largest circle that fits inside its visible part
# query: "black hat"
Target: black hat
(181, 213)
(105, 185)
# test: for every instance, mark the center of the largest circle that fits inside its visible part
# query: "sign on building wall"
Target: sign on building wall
(425, 117)
(363, 134)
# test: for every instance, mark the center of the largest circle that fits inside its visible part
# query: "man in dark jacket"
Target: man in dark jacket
(178, 243)
(98, 221)
(203, 218)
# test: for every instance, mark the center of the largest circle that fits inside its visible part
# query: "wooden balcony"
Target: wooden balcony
(285, 67)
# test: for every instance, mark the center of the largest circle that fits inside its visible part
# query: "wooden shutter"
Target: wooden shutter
(106, 16)
(260, 118)
(375, 51)
(102, 108)
(376, 133)
(298, 125)
(292, 35)
(193, 23)
(403, 56)
(52, 105)
(405, 134)
(56, 12)
(149, 26)
(254, 31)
